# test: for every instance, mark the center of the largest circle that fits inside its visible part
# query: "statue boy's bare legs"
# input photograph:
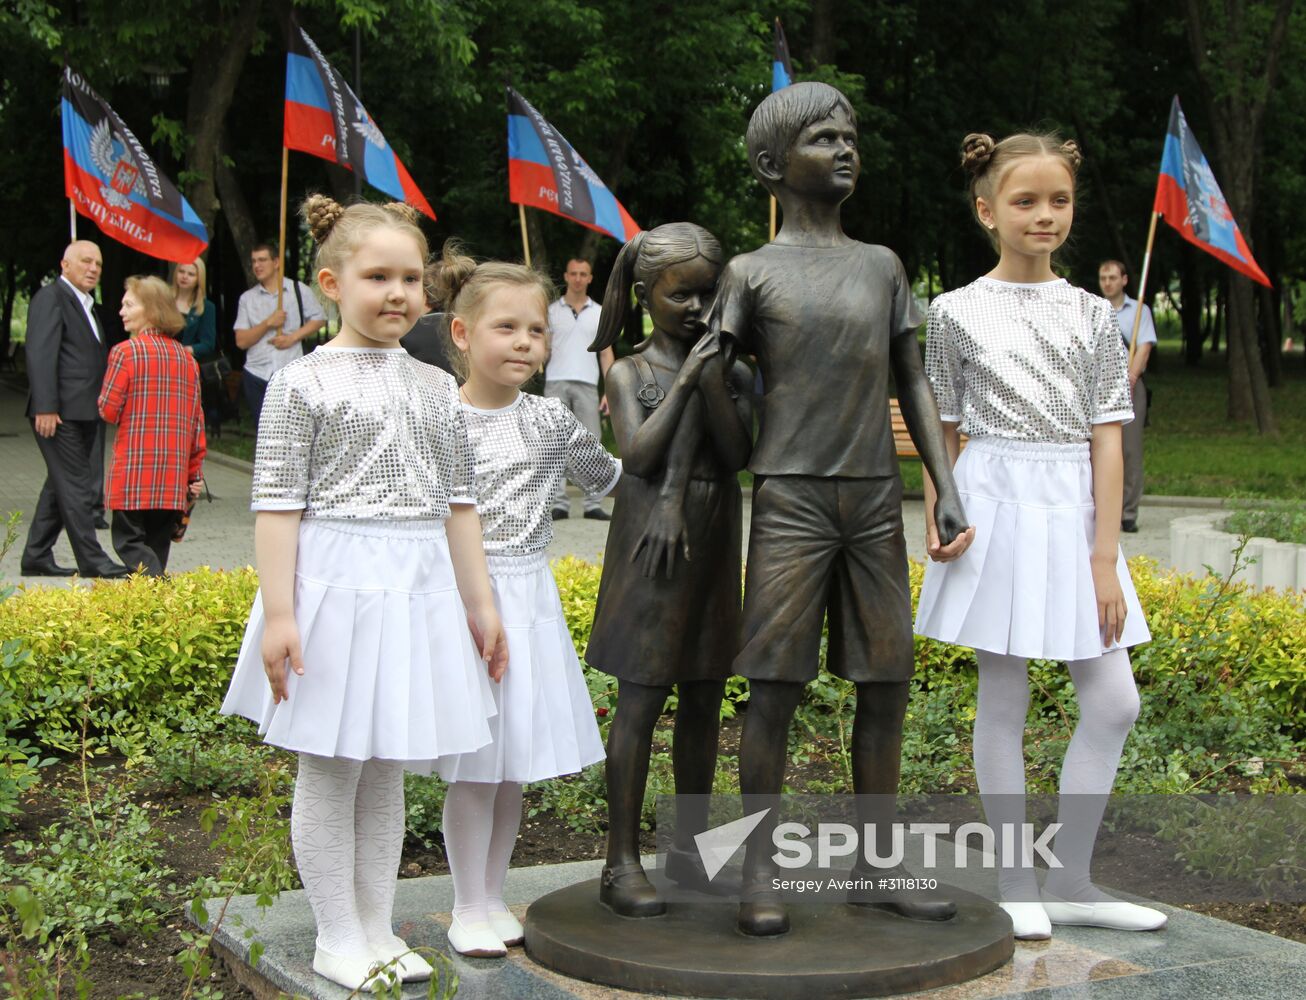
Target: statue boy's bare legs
(876, 764)
(625, 887)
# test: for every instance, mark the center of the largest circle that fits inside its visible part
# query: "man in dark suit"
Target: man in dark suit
(66, 354)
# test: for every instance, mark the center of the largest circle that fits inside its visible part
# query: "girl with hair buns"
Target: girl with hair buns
(683, 423)
(1033, 370)
(523, 445)
(358, 654)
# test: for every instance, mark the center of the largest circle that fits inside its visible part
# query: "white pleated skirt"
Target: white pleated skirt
(390, 670)
(1025, 586)
(545, 724)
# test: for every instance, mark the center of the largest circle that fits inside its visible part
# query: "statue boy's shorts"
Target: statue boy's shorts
(826, 543)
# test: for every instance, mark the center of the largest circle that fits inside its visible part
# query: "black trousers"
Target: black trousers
(142, 538)
(67, 499)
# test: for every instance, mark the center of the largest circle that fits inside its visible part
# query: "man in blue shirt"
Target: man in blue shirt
(1112, 279)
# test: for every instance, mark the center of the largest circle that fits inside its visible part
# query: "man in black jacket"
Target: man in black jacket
(66, 354)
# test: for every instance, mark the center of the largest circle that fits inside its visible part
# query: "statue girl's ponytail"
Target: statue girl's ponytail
(616, 299)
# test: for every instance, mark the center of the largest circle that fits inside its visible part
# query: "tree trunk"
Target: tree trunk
(823, 33)
(235, 209)
(1103, 193)
(1192, 300)
(7, 307)
(1238, 73)
(212, 86)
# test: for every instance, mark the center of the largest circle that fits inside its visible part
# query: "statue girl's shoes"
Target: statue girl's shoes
(475, 940)
(1029, 921)
(1111, 913)
(408, 965)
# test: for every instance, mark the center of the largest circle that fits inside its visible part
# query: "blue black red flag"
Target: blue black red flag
(323, 117)
(110, 178)
(544, 171)
(1188, 197)
(782, 71)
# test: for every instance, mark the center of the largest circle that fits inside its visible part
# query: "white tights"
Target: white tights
(480, 830)
(347, 828)
(1108, 706)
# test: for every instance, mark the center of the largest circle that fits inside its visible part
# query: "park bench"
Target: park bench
(902, 441)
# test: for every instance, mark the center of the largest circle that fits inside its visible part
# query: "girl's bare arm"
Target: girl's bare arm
(276, 548)
(1107, 458)
(467, 551)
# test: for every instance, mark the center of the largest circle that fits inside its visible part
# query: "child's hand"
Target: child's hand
(664, 534)
(941, 553)
(1110, 599)
(281, 643)
(708, 346)
(491, 642)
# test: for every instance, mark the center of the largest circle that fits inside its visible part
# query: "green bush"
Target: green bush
(139, 650)
(1281, 520)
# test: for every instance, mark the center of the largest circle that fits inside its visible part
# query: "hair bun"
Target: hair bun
(321, 213)
(405, 211)
(447, 275)
(976, 151)
(1070, 149)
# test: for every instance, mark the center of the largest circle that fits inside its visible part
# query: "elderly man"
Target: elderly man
(1112, 279)
(572, 372)
(66, 355)
(270, 337)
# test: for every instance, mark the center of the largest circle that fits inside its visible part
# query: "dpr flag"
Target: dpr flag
(110, 179)
(544, 171)
(1189, 198)
(782, 70)
(324, 118)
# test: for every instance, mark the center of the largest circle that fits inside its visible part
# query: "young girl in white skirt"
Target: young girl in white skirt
(1032, 369)
(524, 446)
(358, 653)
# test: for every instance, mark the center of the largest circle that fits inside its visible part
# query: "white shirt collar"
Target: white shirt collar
(85, 299)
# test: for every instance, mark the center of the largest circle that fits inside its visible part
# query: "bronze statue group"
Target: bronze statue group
(407, 618)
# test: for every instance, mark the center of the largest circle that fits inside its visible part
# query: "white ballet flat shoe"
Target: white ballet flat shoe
(507, 927)
(476, 940)
(1029, 921)
(411, 967)
(353, 972)
(1114, 914)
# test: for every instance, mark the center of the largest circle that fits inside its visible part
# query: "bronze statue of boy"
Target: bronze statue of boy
(827, 317)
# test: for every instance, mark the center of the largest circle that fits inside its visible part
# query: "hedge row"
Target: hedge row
(154, 649)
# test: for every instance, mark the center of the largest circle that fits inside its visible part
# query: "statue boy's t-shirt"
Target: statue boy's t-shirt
(819, 320)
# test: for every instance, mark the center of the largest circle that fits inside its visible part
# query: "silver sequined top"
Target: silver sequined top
(362, 433)
(1039, 362)
(522, 452)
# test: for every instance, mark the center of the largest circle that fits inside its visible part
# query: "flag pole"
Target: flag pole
(1142, 284)
(281, 241)
(72, 221)
(525, 241)
(772, 217)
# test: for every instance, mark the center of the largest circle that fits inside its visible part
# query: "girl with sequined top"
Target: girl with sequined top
(1032, 369)
(682, 416)
(524, 446)
(358, 653)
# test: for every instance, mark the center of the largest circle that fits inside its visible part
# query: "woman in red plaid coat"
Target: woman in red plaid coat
(152, 392)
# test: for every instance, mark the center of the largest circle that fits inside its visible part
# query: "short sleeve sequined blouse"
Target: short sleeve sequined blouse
(1040, 362)
(362, 433)
(523, 451)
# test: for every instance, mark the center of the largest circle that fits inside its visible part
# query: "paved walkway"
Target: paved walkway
(222, 532)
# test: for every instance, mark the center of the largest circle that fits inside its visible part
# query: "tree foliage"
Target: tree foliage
(657, 97)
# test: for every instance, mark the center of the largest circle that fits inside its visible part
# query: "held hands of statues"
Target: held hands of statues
(664, 534)
(707, 347)
(1110, 599)
(948, 535)
(281, 643)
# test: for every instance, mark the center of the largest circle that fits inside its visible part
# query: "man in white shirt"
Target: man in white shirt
(66, 357)
(270, 337)
(572, 372)
(1112, 279)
